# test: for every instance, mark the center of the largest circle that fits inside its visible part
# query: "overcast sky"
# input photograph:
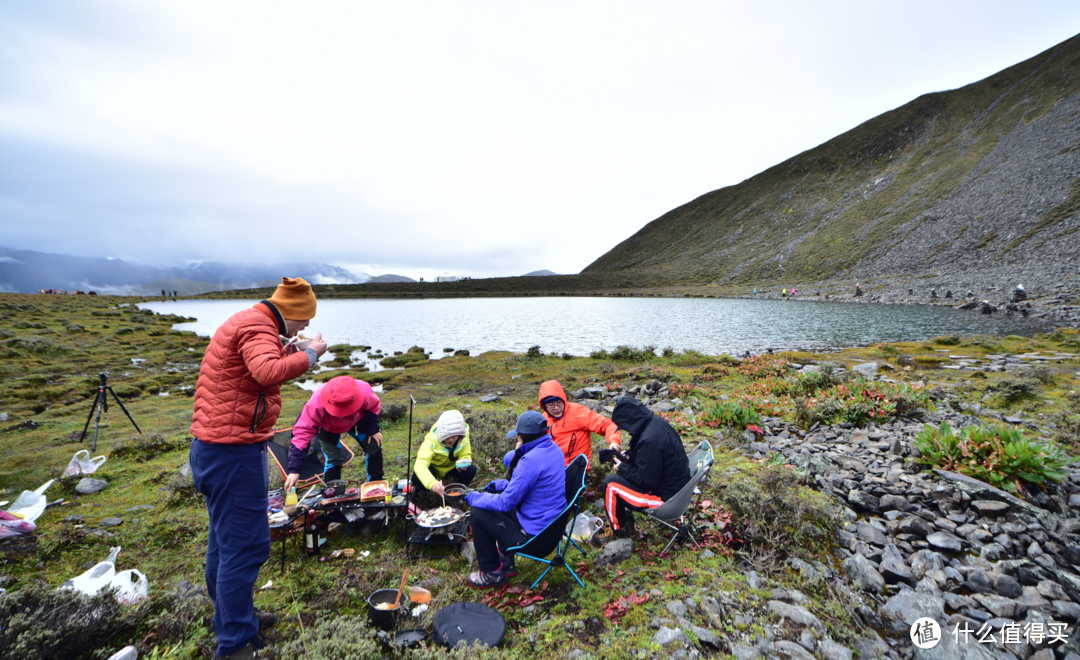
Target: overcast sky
(422, 138)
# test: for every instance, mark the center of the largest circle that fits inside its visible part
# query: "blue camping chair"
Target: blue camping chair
(550, 538)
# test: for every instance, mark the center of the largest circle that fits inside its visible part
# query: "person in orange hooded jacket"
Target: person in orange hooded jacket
(573, 424)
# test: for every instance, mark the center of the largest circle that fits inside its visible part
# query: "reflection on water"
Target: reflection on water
(579, 326)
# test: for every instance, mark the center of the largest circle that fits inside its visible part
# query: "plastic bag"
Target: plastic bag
(31, 504)
(584, 526)
(81, 463)
(131, 586)
(14, 526)
(95, 579)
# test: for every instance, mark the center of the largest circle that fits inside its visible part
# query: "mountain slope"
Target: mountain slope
(982, 179)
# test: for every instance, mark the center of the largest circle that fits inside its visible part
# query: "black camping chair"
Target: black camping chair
(680, 508)
(314, 462)
(550, 538)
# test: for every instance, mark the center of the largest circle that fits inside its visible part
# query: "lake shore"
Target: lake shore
(775, 585)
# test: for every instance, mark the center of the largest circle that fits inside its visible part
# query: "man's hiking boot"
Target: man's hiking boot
(265, 619)
(482, 580)
(602, 538)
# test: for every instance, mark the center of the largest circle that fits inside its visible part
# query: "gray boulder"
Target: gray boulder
(867, 370)
(830, 650)
(862, 573)
(893, 567)
(615, 552)
(796, 614)
(792, 650)
(89, 486)
(668, 636)
(908, 606)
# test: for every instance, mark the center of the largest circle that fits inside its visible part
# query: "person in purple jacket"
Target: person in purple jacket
(511, 511)
(343, 405)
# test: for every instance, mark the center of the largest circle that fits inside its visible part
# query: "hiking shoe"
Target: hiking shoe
(624, 533)
(506, 565)
(265, 619)
(482, 580)
(601, 538)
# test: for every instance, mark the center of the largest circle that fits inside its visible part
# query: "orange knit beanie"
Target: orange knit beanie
(294, 299)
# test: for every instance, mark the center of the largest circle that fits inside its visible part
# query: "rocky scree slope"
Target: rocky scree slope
(971, 182)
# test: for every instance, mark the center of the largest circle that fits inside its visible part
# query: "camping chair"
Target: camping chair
(680, 508)
(550, 538)
(314, 462)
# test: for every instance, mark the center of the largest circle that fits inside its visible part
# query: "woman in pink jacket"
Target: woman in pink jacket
(343, 405)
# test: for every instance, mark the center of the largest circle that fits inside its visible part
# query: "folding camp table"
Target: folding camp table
(314, 462)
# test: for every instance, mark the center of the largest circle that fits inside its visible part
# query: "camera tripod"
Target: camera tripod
(101, 404)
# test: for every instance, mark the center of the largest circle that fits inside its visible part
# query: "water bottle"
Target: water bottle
(126, 653)
(290, 497)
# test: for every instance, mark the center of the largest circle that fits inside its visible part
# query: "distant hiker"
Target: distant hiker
(163, 294)
(755, 293)
(657, 468)
(343, 405)
(572, 424)
(237, 402)
(174, 293)
(858, 290)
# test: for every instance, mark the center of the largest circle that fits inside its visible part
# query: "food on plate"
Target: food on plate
(329, 492)
(441, 516)
(377, 491)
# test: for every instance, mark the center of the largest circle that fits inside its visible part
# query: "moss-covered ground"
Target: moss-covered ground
(53, 347)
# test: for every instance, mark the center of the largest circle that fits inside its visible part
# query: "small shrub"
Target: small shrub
(533, 353)
(860, 402)
(886, 349)
(345, 349)
(605, 368)
(999, 455)
(1039, 372)
(447, 350)
(728, 413)
(762, 366)
(631, 354)
(567, 356)
(461, 352)
(777, 515)
(1015, 389)
(413, 355)
(808, 383)
(600, 354)
(333, 639)
(946, 340)
(691, 358)
(149, 445)
(392, 412)
(669, 351)
(41, 622)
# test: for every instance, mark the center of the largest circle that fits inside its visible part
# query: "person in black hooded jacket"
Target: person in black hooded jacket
(657, 468)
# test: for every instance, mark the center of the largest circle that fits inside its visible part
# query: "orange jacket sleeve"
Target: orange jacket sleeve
(603, 426)
(263, 355)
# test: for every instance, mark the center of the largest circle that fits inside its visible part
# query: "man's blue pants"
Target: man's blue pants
(234, 479)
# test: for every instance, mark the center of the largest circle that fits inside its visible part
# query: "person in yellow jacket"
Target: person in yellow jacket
(445, 456)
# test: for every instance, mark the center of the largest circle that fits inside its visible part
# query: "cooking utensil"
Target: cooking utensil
(404, 578)
(455, 493)
(410, 638)
(454, 516)
(384, 619)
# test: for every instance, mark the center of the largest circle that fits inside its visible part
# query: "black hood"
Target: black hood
(631, 415)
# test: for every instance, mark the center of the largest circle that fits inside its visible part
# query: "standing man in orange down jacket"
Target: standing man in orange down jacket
(237, 401)
(572, 424)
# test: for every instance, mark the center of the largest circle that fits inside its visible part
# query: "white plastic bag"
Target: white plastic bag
(95, 579)
(81, 463)
(584, 526)
(131, 586)
(31, 504)
(12, 526)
